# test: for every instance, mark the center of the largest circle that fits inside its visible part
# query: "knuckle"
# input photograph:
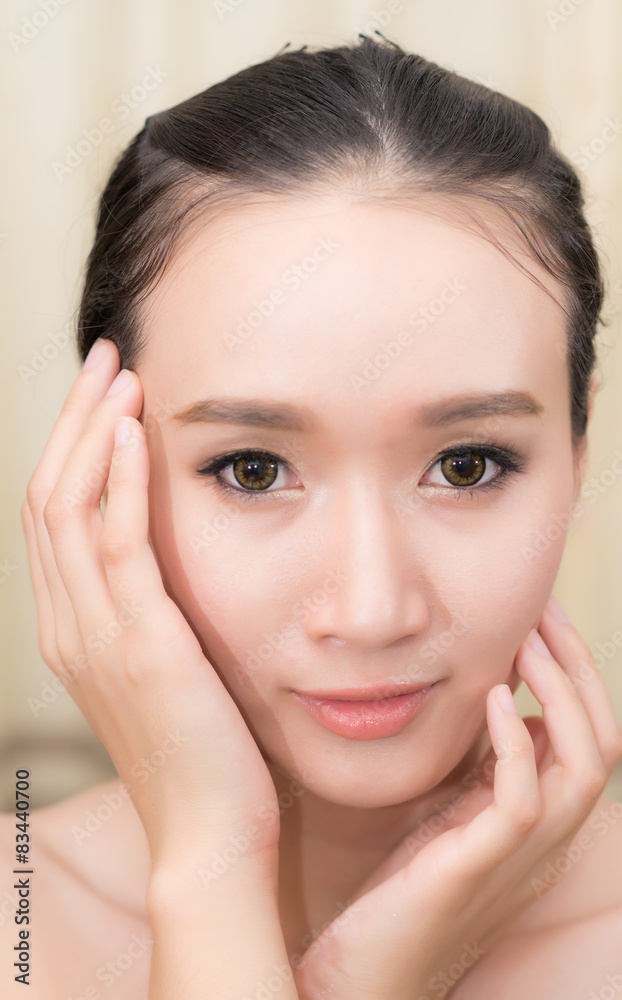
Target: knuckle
(616, 747)
(117, 550)
(515, 751)
(526, 814)
(592, 782)
(66, 645)
(55, 513)
(522, 751)
(48, 650)
(571, 687)
(36, 494)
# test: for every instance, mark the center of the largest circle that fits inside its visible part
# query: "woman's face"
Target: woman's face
(369, 341)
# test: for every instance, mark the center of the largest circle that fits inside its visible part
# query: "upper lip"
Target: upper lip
(375, 693)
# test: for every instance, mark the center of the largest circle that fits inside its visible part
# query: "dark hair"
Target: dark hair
(368, 117)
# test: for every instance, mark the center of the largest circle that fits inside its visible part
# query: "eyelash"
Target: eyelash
(509, 461)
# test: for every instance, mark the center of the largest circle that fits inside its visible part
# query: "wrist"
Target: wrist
(209, 875)
(225, 935)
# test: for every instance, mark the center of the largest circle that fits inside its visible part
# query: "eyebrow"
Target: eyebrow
(284, 416)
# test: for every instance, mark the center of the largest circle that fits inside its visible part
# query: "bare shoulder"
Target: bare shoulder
(568, 944)
(80, 898)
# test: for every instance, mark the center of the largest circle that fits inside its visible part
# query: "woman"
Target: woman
(354, 299)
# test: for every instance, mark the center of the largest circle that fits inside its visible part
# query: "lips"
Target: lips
(366, 718)
(376, 693)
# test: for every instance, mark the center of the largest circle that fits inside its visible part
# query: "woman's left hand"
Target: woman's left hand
(417, 917)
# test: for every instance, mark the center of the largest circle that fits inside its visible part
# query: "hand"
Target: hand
(417, 917)
(122, 647)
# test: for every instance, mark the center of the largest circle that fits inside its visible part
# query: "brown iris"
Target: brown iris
(255, 473)
(463, 468)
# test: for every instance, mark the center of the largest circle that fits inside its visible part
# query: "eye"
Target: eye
(468, 466)
(248, 472)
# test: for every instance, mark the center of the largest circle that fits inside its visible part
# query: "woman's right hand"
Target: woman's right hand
(122, 647)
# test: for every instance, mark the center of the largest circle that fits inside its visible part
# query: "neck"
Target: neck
(327, 850)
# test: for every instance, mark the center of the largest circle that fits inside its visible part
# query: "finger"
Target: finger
(575, 658)
(73, 515)
(88, 388)
(45, 611)
(577, 769)
(516, 806)
(130, 564)
(537, 731)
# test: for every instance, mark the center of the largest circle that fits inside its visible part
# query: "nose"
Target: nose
(380, 595)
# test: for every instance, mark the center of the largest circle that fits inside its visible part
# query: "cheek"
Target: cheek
(512, 566)
(235, 576)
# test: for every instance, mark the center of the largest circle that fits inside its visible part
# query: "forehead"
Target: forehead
(307, 291)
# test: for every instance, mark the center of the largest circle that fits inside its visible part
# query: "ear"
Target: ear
(581, 461)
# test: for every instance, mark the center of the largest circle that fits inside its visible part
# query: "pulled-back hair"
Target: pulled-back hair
(367, 118)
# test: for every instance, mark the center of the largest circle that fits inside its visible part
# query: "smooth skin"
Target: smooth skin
(180, 665)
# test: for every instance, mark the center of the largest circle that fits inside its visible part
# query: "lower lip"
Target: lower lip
(366, 720)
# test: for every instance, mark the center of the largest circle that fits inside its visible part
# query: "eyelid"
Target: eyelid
(509, 461)
(220, 462)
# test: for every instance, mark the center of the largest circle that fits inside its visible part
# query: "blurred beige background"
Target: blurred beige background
(68, 64)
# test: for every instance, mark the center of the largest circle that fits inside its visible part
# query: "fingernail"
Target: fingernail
(505, 699)
(96, 354)
(555, 609)
(536, 642)
(122, 380)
